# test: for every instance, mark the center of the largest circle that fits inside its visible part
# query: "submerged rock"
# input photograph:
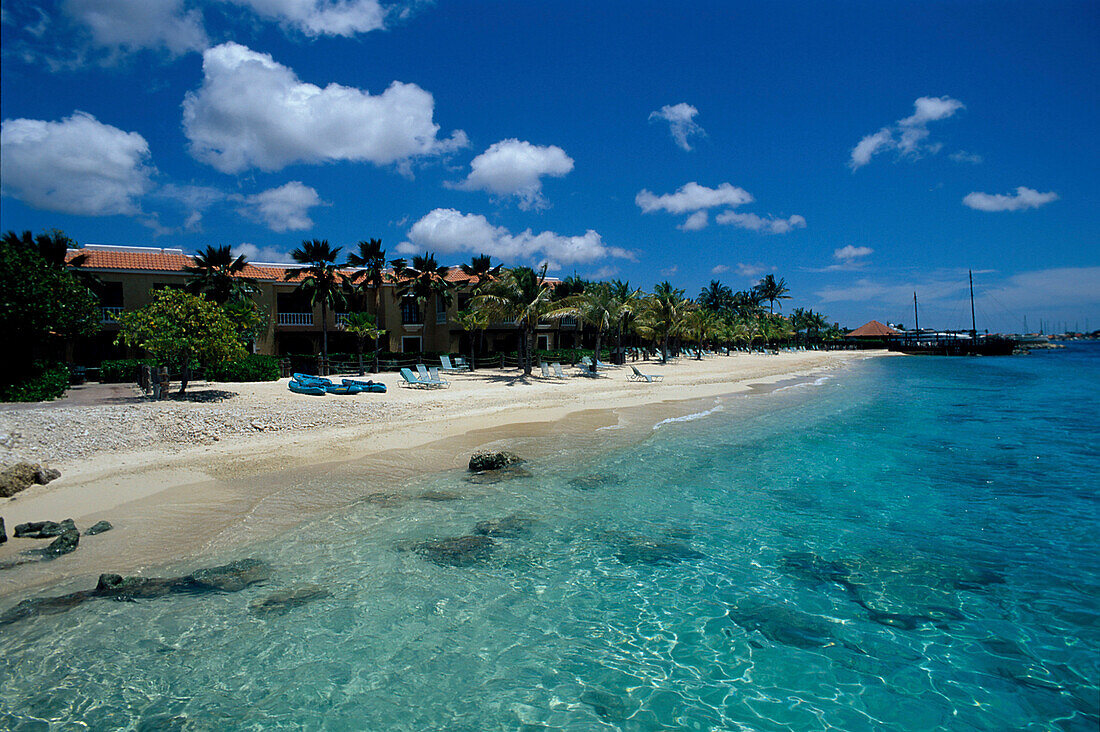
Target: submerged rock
(592, 481)
(439, 496)
(288, 599)
(230, 577)
(781, 623)
(493, 460)
(654, 552)
(509, 527)
(98, 528)
(43, 529)
(609, 707)
(63, 544)
(459, 551)
(488, 477)
(809, 567)
(386, 499)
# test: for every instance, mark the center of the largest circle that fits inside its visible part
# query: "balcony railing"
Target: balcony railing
(109, 314)
(295, 318)
(569, 321)
(441, 317)
(341, 319)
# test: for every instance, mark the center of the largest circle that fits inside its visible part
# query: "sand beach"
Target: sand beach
(181, 478)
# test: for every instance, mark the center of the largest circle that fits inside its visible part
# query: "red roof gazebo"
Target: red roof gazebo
(874, 329)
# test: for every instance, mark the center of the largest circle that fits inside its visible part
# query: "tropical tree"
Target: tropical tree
(218, 275)
(747, 329)
(320, 280)
(423, 280)
(482, 268)
(178, 328)
(523, 297)
(363, 326)
(571, 285)
(700, 325)
(771, 289)
(52, 246)
(370, 265)
(630, 301)
(663, 315)
(473, 321)
(596, 306)
(716, 297)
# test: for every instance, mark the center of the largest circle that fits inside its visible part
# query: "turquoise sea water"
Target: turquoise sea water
(909, 544)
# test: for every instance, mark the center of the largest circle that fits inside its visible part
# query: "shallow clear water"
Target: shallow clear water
(912, 544)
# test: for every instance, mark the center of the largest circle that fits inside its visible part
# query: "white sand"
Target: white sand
(206, 476)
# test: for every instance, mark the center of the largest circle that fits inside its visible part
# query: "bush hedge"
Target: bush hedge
(253, 367)
(124, 370)
(46, 381)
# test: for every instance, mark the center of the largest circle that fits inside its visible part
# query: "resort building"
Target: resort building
(130, 276)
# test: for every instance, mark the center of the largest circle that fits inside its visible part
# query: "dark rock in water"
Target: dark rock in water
(975, 578)
(896, 620)
(592, 481)
(460, 551)
(488, 477)
(16, 478)
(783, 624)
(812, 568)
(284, 600)
(3, 531)
(98, 528)
(234, 576)
(63, 544)
(439, 496)
(510, 527)
(43, 529)
(654, 552)
(608, 707)
(44, 475)
(493, 460)
(386, 499)
(230, 577)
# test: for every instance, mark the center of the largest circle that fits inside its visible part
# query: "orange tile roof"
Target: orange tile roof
(873, 329)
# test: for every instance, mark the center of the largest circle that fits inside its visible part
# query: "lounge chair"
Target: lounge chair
(445, 361)
(587, 363)
(639, 376)
(422, 370)
(460, 363)
(545, 370)
(433, 372)
(558, 373)
(408, 378)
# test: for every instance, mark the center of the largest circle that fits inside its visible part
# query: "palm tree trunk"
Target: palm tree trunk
(596, 355)
(377, 351)
(664, 348)
(361, 371)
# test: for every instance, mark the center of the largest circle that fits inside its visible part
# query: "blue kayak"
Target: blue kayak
(367, 386)
(299, 388)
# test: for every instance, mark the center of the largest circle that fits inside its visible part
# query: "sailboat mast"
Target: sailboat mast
(916, 318)
(973, 322)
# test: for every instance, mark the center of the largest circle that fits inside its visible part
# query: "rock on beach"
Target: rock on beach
(493, 460)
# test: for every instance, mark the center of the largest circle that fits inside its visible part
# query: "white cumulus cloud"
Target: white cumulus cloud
(719, 269)
(695, 222)
(252, 112)
(681, 122)
(516, 168)
(133, 25)
(849, 253)
(322, 17)
(1023, 198)
(753, 271)
(765, 225)
(285, 208)
(78, 165)
(449, 231)
(692, 197)
(254, 253)
(908, 136)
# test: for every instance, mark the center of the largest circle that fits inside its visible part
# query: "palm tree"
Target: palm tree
(321, 280)
(363, 326)
(700, 325)
(663, 315)
(218, 275)
(482, 268)
(597, 306)
(521, 296)
(771, 289)
(473, 320)
(370, 263)
(716, 297)
(53, 246)
(424, 280)
(630, 301)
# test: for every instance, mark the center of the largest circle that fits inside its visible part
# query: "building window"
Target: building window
(440, 310)
(410, 312)
(410, 344)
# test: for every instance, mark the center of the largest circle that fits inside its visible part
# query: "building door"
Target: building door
(410, 344)
(544, 342)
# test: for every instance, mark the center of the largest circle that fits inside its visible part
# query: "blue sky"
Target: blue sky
(859, 150)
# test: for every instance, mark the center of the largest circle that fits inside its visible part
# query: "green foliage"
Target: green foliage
(45, 381)
(178, 327)
(253, 367)
(123, 371)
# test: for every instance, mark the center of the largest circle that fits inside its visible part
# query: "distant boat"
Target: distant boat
(952, 343)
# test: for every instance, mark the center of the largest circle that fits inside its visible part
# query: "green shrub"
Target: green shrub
(123, 371)
(45, 382)
(253, 367)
